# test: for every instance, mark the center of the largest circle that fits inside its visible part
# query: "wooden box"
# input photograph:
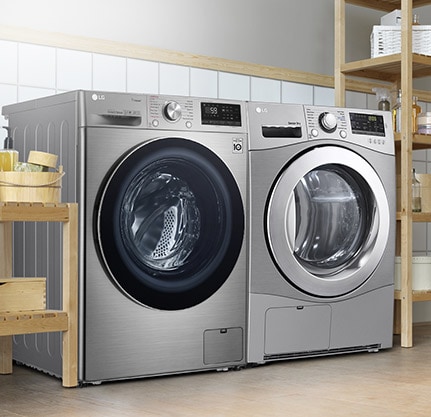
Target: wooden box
(17, 294)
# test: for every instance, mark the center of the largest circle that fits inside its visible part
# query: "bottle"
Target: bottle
(8, 155)
(416, 194)
(382, 97)
(396, 114)
(415, 20)
(384, 104)
(416, 110)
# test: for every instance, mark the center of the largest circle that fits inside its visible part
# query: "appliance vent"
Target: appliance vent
(324, 352)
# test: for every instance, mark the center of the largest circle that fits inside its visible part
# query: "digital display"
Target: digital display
(367, 124)
(221, 114)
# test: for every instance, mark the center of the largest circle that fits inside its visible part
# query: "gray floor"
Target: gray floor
(395, 382)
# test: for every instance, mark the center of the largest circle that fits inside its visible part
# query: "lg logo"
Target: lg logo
(237, 145)
(261, 110)
(96, 97)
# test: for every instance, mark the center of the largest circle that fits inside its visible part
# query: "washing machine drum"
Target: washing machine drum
(169, 223)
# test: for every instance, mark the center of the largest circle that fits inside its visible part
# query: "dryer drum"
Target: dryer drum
(327, 223)
(335, 211)
(169, 223)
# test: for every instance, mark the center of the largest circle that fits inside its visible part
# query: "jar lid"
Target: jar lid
(42, 158)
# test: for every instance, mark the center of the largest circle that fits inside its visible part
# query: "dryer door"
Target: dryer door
(169, 223)
(327, 221)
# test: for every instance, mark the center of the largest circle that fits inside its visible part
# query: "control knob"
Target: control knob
(172, 111)
(328, 122)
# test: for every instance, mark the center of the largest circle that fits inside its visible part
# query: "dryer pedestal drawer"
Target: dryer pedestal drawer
(297, 329)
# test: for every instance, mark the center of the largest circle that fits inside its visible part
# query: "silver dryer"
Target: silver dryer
(322, 231)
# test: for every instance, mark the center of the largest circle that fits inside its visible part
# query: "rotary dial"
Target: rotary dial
(172, 111)
(328, 122)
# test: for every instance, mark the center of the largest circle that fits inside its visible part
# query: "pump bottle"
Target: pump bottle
(8, 155)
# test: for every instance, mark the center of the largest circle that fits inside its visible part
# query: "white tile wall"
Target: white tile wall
(36, 66)
(142, 76)
(9, 66)
(29, 93)
(74, 70)
(109, 73)
(262, 89)
(296, 93)
(234, 86)
(174, 79)
(8, 95)
(324, 96)
(203, 83)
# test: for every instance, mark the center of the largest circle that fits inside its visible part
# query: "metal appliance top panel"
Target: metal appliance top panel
(159, 112)
(279, 125)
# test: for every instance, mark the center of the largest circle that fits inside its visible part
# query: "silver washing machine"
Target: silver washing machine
(322, 231)
(161, 186)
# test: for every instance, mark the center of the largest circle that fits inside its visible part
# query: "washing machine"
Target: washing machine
(161, 186)
(322, 231)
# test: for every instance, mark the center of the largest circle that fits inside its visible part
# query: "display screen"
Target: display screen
(367, 124)
(221, 114)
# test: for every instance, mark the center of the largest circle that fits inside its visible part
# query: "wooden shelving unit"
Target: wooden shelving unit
(25, 296)
(400, 69)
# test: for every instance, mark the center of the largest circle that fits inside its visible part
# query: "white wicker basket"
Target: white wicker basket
(386, 40)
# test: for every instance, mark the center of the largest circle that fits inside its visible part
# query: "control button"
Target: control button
(343, 134)
(172, 111)
(188, 124)
(328, 122)
(155, 123)
(314, 133)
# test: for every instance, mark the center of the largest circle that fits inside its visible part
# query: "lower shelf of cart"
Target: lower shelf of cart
(32, 321)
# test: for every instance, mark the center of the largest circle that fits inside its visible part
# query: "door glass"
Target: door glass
(160, 219)
(334, 214)
(170, 223)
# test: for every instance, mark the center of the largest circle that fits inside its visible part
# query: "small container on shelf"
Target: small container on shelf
(416, 110)
(416, 193)
(424, 123)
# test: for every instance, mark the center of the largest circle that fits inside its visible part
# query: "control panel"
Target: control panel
(368, 127)
(188, 113)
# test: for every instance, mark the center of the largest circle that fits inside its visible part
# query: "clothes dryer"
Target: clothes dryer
(322, 231)
(161, 187)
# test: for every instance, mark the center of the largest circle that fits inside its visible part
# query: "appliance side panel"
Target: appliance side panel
(38, 246)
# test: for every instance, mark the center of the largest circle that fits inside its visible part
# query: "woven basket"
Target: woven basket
(30, 187)
(386, 40)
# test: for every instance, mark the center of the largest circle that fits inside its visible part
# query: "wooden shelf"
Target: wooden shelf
(32, 321)
(419, 142)
(416, 295)
(386, 5)
(32, 316)
(417, 217)
(387, 68)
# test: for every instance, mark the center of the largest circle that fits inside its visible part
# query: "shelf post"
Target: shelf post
(70, 297)
(6, 272)
(406, 175)
(340, 53)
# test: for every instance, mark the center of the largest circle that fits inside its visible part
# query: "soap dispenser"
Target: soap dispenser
(8, 155)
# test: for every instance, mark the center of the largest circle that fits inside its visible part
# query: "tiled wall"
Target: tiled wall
(30, 71)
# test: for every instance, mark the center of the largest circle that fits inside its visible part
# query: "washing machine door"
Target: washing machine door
(169, 223)
(327, 221)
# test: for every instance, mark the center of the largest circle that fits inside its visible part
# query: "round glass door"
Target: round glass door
(327, 221)
(169, 223)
